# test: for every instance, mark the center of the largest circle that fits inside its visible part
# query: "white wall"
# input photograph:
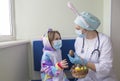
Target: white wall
(34, 17)
(107, 17)
(115, 32)
(14, 61)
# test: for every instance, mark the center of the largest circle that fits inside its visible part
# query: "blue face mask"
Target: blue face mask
(57, 44)
(79, 33)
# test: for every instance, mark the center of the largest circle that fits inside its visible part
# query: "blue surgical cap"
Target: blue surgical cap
(87, 21)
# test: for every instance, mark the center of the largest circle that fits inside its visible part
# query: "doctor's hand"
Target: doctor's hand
(77, 60)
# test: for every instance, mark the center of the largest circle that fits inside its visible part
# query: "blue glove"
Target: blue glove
(77, 60)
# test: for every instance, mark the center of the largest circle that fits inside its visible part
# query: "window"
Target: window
(7, 20)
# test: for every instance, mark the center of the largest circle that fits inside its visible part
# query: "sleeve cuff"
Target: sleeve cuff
(58, 66)
(97, 67)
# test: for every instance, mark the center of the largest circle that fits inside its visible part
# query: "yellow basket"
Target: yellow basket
(79, 71)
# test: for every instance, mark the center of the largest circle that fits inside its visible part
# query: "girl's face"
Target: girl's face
(57, 43)
(57, 37)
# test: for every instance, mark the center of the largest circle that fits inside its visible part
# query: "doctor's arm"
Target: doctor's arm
(91, 66)
(104, 67)
(78, 60)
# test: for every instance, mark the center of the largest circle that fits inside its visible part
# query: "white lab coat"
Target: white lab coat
(103, 64)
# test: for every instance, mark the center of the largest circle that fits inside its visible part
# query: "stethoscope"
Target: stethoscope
(95, 51)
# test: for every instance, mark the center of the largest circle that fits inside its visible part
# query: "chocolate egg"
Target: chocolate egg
(71, 52)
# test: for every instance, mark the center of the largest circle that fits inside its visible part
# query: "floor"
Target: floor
(35, 80)
(69, 80)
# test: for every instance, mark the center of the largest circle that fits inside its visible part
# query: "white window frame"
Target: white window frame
(12, 18)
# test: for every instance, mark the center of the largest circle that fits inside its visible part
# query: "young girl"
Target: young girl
(52, 64)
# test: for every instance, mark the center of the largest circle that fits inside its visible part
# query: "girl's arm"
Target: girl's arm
(49, 68)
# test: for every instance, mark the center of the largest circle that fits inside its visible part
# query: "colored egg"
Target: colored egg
(77, 69)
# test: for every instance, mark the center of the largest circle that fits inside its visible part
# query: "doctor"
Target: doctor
(92, 49)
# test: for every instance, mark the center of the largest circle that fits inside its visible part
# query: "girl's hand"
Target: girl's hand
(64, 64)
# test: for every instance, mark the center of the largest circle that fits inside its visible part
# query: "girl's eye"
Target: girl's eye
(57, 39)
